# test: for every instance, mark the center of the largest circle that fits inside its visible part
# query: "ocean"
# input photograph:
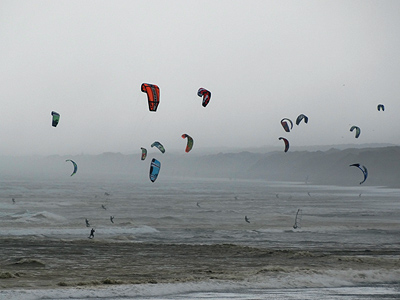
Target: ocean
(182, 238)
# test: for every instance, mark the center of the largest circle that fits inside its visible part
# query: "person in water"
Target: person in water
(87, 223)
(246, 219)
(91, 233)
(112, 219)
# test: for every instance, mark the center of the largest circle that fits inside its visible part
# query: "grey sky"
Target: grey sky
(262, 60)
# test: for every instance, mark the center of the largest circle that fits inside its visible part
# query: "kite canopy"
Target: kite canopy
(358, 130)
(154, 169)
(144, 153)
(75, 166)
(300, 118)
(286, 143)
(189, 144)
(380, 107)
(363, 169)
(285, 124)
(158, 146)
(153, 95)
(55, 119)
(205, 94)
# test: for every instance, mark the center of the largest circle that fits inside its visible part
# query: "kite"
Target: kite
(154, 169)
(144, 153)
(56, 118)
(358, 130)
(75, 166)
(286, 143)
(363, 169)
(205, 94)
(285, 124)
(380, 107)
(153, 95)
(159, 146)
(301, 117)
(189, 144)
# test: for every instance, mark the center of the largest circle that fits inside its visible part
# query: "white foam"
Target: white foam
(200, 290)
(35, 217)
(115, 291)
(76, 232)
(287, 277)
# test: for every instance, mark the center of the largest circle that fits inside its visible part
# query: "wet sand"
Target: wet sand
(41, 263)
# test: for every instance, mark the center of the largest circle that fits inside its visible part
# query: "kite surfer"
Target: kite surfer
(91, 234)
(112, 219)
(297, 219)
(103, 207)
(246, 219)
(87, 223)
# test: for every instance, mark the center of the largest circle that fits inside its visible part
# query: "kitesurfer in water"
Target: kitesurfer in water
(103, 207)
(87, 223)
(297, 219)
(112, 219)
(91, 233)
(13, 200)
(246, 219)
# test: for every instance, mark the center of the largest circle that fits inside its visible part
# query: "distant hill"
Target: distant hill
(320, 167)
(329, 167)
(267, 149)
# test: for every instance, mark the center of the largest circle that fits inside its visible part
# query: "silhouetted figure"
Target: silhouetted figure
(246, 219)
(112, 219)
(103, 207)
(87, 223)
(198, 204)
(13, 200)
(91, 233)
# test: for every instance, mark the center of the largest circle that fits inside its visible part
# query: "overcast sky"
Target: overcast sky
(262, 60)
